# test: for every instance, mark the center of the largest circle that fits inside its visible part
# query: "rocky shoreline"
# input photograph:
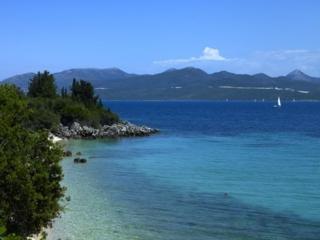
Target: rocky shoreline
(121, 129)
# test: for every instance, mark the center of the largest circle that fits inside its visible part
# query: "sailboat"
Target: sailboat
(278, 105)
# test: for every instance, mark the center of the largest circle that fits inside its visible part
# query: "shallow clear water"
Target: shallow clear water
(217, 170)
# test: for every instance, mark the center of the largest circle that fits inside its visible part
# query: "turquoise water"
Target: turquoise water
(216, 171)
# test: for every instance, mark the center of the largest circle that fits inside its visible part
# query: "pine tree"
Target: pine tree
(83, 91)
(42, 85)
(64, 92)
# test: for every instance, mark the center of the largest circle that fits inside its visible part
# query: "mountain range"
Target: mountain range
(186, 83)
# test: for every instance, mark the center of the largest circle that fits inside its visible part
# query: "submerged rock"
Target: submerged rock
(121, 129)
(67, 153)
(80, 160)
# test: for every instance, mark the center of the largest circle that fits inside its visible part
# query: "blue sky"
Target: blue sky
(243, 36)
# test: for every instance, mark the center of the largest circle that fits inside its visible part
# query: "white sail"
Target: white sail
(279, 102)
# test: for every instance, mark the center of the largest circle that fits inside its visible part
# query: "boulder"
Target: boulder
(80, 160)
(76, 127)
(67, 153)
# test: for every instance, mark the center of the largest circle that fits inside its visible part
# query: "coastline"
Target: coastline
(120, 129)
(104, 195)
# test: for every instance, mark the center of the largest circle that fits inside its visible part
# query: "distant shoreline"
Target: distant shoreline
(184, 83)
(206, 100)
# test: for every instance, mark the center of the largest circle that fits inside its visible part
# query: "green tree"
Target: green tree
(41, 114)
(64, 92)
(42, 85)
(83, 91)
(5, 236)
(30, 172)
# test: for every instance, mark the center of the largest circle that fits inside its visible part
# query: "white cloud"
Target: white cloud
(211, 54)
(274, 62)
(208, 54)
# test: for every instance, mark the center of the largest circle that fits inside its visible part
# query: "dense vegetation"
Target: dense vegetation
(42, 85)
(30, 174)
(79, 104)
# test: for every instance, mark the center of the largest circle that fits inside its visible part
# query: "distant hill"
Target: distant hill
(21, 80)
(64, 79)
(97, 76)
(301, 76)
(187, 83)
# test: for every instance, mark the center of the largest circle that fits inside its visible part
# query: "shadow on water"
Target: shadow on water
(171, 214)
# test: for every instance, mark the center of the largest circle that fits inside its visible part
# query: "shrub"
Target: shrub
(30, 173)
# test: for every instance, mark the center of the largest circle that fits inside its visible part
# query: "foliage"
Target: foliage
(12, 104)
(30, 173)
(89, 104)
(64, 92)
(48, 113)
(41, 115)
(84, 92)
(5, 236)
(82, 105)
(70, 111)
(42, 85)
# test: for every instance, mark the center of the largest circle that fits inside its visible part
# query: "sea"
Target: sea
(217, 170)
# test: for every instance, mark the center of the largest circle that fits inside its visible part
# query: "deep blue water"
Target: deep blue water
(222, 118)
(217, 170)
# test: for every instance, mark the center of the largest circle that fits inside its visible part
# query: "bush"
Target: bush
(107, 117)
(81, 106)
(71, 111)
(5, 236)
(30, 173)
(41, 115)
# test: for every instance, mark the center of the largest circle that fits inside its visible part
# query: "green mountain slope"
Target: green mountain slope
(188, 83)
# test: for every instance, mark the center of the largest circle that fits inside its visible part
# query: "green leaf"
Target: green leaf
(2, 230)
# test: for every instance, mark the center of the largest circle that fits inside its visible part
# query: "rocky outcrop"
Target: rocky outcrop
(121, 129)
